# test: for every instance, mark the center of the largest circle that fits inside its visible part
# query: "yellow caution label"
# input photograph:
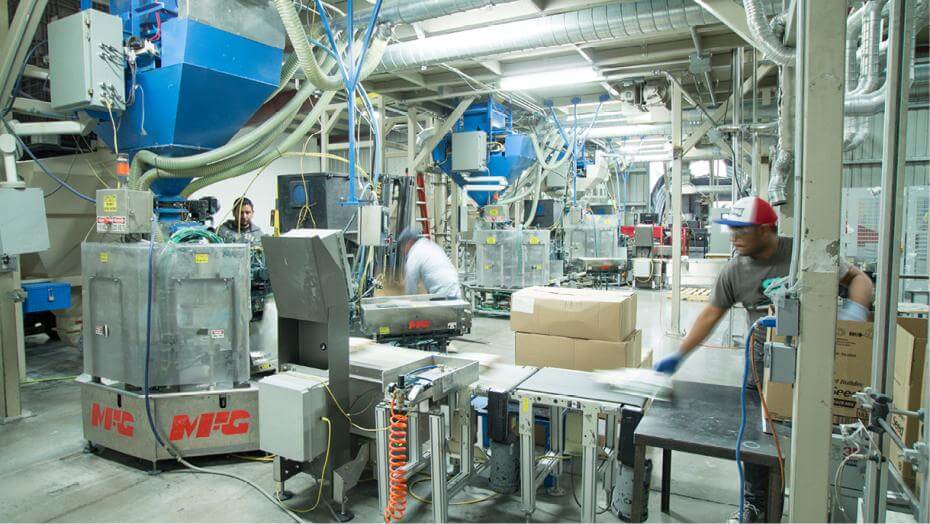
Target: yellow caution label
(526, 405)
(109, 204)
(104, 257)
(534, 241)
(492, 212)
(491, 240)
(384, 330)
(487, 267)
(201, 258)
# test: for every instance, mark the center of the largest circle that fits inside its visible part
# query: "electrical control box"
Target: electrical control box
(23, 227)
(124, 211)
(292, 405)
(372, 221)
(470, 151)
(86, 62)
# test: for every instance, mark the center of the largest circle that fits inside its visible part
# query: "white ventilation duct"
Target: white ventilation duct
(412, 11)
(613, 21)
(771, 44)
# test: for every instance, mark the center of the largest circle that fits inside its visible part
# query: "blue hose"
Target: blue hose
(148, 334)
(768, 322)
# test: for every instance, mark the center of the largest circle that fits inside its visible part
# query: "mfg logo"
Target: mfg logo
(418, 324)
(235, 422)
(112, 419)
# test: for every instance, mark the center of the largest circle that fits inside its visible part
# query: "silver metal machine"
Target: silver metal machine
(166, 333)
(416, 321)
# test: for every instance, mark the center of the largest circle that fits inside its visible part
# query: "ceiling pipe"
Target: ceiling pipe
(412, 11)
(613, 21)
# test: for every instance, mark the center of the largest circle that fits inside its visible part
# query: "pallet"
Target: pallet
(694, 294)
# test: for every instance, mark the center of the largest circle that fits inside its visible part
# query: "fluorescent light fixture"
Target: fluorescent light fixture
(562, 77)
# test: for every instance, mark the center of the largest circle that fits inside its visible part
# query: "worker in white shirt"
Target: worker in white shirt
(425, 261)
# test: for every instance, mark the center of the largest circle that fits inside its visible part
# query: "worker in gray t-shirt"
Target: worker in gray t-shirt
(761, 257)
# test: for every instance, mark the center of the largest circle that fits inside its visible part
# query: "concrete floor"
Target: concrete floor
(46, 476)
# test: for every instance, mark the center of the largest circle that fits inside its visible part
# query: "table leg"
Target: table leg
(666, 479)
(437, 440)
(639, 496)
(527, 464)
(589, 466)
(776, 497)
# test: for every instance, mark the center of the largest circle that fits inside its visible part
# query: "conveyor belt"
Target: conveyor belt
(577, 384)
(502, 377)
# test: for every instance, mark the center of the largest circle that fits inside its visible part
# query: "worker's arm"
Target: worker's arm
(703, 326)
(860, 292)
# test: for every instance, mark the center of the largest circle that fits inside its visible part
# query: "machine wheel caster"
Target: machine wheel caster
(90, 448)
(154, 471)
(285, 495)
(344, 516)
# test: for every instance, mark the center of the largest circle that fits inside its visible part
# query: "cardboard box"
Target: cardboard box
(579, 354)
(852, 372)
(907, 392)
(574, 313)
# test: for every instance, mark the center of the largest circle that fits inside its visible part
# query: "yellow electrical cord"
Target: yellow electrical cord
(346, 415)
(106, 102)
(319, 493)
(462, 503)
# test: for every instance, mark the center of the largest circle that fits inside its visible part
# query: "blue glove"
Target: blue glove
(853, 310)
(669, 364)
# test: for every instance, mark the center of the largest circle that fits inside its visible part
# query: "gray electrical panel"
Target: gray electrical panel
(23, 228)
(86, 62)
(124, 211)
(470, 151)
(292, 405)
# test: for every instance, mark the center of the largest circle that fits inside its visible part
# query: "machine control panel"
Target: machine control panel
(124, 211)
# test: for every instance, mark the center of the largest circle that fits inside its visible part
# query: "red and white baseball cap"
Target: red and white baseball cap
(749, 211)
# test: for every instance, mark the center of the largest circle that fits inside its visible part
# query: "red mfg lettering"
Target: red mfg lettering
(112, 419)
(233, 422)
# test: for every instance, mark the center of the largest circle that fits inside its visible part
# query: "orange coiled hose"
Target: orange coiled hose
(397, 459)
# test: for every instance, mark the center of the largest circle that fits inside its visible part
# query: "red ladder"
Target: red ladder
(422, 208)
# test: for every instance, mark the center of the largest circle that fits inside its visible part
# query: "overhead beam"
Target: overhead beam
(731, 15)
(721, 112)
(650, 53)
(493, 66)
(446, 126)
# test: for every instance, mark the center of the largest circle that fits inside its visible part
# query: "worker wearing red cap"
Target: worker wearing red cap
(761, 257)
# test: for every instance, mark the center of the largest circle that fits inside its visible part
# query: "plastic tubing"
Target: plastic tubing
(306, 58)
(231, 148)
(276, 152)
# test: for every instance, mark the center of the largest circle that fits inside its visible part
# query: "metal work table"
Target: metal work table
(561, 390)
(501, 377)
(703, 419)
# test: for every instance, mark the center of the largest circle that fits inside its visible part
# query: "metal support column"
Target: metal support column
(411, 140)
(737, 144)
(11, 339)
(676, 208)
(589, 465)
(437, 442)
(557, 444)
(381, 440)
(889, 243)
(527, 464)
(821, 37)
(324, 141)
(923, 514)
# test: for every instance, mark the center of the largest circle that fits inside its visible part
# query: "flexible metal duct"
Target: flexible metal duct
(772, 46)
(616, 20)
(411, 11)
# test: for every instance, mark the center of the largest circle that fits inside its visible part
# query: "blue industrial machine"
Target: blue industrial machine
(196, 72)
(483, 154)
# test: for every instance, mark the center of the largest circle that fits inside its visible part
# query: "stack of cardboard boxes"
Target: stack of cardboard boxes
(907, 392)
(580, 329)
(852, 372)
